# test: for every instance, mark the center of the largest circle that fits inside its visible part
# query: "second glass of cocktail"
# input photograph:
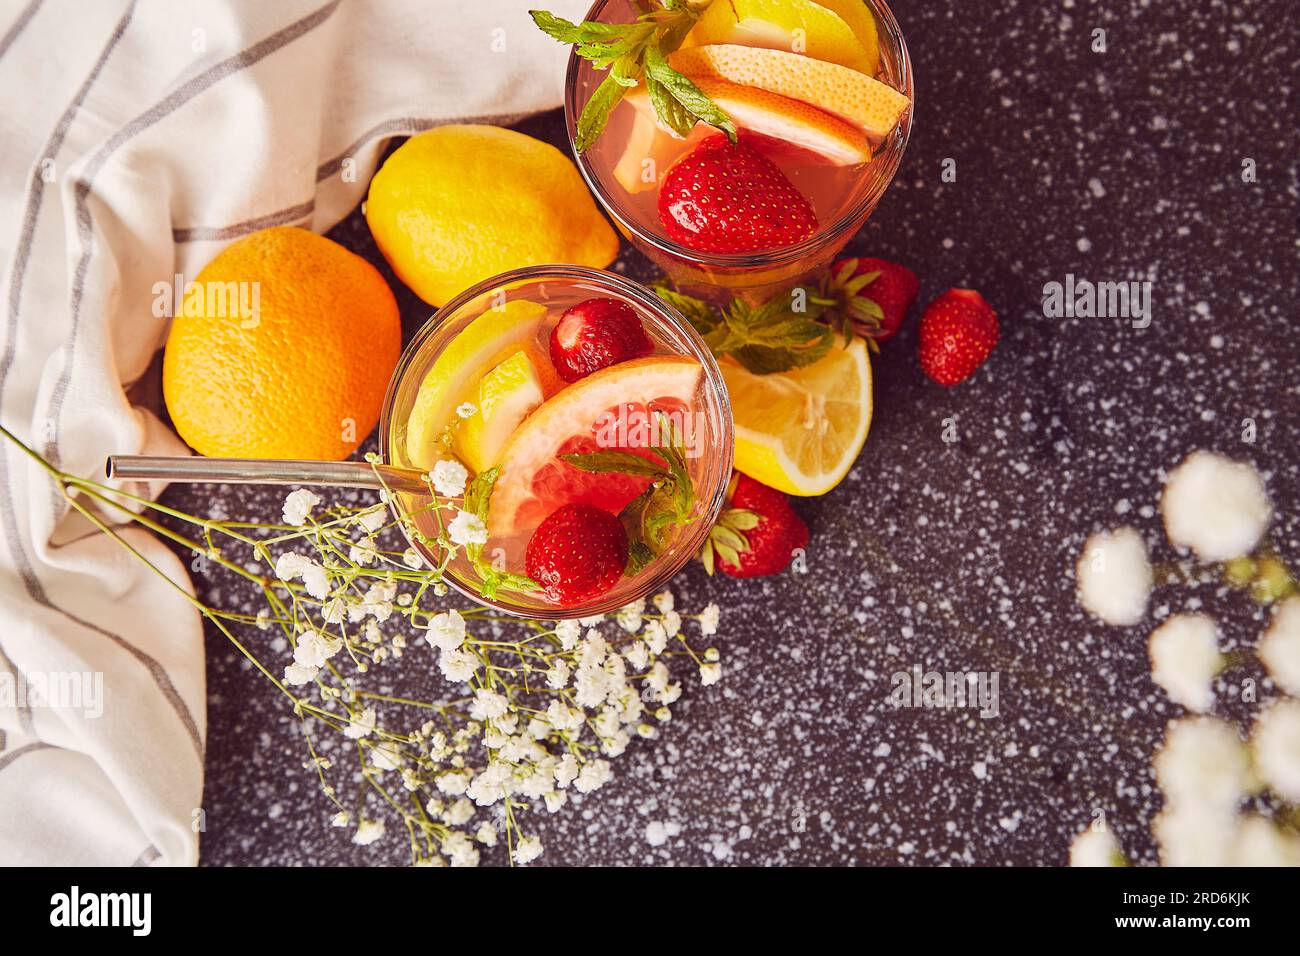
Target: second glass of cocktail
(817, 97)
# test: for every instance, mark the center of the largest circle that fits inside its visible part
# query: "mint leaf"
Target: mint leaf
(589, 31)
(596, 113)
(616, 462)
(691, 98)
(671, 113)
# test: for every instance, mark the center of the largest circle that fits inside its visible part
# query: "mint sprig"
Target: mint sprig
(667, 502)
(478, 501)
(780, 334)
(634, 53)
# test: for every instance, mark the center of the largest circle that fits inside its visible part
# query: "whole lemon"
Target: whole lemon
(457, 204)
(283, 348)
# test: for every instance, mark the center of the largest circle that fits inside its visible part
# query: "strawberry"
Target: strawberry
(893, 291)
(577, 553)
(757, 535)
(594, 334)
(731, 198)
(958, 331)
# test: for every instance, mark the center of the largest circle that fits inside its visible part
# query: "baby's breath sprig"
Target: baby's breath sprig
(526, 713)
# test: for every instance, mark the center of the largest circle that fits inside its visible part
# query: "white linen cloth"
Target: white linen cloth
(137, 138)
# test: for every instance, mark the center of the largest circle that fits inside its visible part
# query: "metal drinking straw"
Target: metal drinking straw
(266, 471)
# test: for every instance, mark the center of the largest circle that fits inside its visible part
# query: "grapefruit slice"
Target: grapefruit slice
(871, 106)
(533, 481)
(485, 342)
(801, 26)
(790, 120)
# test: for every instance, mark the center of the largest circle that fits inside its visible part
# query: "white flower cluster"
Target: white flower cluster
(538, 718)
(1218, 509)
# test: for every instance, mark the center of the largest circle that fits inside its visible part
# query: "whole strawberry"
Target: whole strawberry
(576, 554)
(757, 535)
(893, 290)
(958, 331)
(725, 197)
(595, 334)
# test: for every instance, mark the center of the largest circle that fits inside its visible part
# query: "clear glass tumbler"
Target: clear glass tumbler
(488, 327)
(842, 196)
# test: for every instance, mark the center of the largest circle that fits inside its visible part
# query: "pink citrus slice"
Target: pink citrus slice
(587, 416)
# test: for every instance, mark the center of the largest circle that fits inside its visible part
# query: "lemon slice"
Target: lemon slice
(505, 397)
(800, 431)
(484, 343)
(799, 26)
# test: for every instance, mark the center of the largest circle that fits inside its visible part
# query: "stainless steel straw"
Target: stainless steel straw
(266, 471)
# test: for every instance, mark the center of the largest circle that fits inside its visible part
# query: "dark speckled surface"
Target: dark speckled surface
(953, 555)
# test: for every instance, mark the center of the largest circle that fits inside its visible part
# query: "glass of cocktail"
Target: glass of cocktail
(820, 94)
(577, 436)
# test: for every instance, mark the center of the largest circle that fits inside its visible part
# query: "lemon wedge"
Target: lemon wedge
(800, 431)
(799, 26)
(483, 344)
(505, 397)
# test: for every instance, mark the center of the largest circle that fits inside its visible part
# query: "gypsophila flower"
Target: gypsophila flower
(709, 618)
(298, 506)
(710, 674)
(446, 630)
(1185, 657)
(374, 519)
(491, 785)
(568, 633)
(297, 675)
(554, 800)
(341, 819)
(638, 656)
(386, 756)
(457, 666)
(563, 717)
(411, 559)
(663, 601)
(486, 834)
(672, 624)
(459, 850)
(1260, 842)
(1194, 834)
(657, 678)
(368, 832)
(557, 678)
(488, 704)
(466, 409)
(591, 621)
(290, 566)
(1095, 846)
(527, 850)
(1279, 650)
(361, 725)
(629, 618)
(332, 611)
(615, 744)
(593, 775)
(566, 771)
(467, 529)
(363, 552)
(449, 477)
(1275, 742)
(459, 813)
(1202, 762)
(264, 620)
(314, 648)
(655, 637)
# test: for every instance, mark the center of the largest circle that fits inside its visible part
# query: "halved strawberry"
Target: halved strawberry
(724, 197)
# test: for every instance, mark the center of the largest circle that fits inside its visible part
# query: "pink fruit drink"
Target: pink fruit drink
(496, 347)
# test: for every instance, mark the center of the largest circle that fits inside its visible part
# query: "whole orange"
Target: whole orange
(282, 348)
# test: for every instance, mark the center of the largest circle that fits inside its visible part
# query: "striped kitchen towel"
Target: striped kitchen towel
(138, 138)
